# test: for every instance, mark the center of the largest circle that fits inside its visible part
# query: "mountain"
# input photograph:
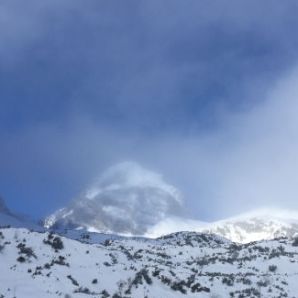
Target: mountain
(131, 200)
(185, 264)
(3, 207)
(257, 225)
(126, 199)
(8, 218)
(254, 226)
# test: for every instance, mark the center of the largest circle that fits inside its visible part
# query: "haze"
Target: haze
(203, 93)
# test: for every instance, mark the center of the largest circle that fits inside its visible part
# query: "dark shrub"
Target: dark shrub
(83, 290)
(105, 294)
(21, 259)
(74, 282)
(272, 268)
(55, 242)
(27, 251)
(178, 286)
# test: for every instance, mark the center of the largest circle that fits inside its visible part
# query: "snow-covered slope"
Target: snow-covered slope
(257, 225)
(126, 199)
(245, 228)
(254, 226)
(178, 265)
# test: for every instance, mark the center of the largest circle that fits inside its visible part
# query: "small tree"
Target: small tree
(57, 243)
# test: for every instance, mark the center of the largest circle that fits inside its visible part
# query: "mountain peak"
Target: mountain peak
(3, 207)
(126, 198)
(130, 174)
(8, 218)
(263, 224)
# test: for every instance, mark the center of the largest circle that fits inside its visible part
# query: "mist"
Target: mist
(205, 96)
(249, 163)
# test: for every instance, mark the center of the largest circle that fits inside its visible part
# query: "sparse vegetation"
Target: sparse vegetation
(55, 242)
(151, 264)
(74, 282)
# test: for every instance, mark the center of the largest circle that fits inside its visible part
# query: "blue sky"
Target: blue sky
(186, 88)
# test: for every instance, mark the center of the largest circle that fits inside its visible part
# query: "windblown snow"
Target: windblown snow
(126, 199)
(131, 200)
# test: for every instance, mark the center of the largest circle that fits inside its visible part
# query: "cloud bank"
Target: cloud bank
(249, 162)
(204, 93)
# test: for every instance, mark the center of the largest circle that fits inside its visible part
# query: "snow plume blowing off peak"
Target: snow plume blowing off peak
(125, 199)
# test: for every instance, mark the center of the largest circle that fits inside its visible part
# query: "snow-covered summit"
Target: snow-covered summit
(127, 175)
(263, 224)
(126, 199)
(129, 199)
(259, 225)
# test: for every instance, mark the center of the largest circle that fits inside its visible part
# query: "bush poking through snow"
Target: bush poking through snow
(74, 282)
(21, 259)
(272, 268)
(105, 294)
(27, 251)
(54, 241)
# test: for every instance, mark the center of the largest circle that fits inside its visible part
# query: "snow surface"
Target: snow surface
(178, 265)
(192, 264)
(263, 224)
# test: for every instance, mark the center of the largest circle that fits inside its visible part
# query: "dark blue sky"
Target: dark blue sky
(85, 84)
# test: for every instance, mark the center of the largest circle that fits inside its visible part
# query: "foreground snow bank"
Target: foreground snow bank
(199, 265)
